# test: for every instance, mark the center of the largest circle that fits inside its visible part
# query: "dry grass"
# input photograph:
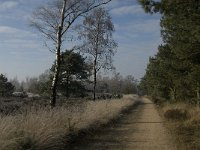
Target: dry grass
(186, 129)
(50, 129)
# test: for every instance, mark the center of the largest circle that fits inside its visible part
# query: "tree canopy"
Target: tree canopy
(96, 32)
(6, 88)
(54, 21)
(74, 72)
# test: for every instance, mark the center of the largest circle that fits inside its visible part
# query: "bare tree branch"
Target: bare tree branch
(54, 20)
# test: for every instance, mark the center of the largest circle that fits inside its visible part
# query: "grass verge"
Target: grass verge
(41, 129)
(183, 120)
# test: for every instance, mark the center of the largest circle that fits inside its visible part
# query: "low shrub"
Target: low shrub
(177, 114)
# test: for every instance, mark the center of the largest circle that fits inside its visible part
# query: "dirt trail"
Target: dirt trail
(140, 129)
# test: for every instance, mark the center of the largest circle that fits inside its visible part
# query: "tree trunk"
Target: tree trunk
(173, 94)
(95, 81)
(56, 71)
(198, 95)
(67, 88)
(58, 58)
(95, 62)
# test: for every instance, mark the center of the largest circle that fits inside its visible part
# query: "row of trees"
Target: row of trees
(174, 72)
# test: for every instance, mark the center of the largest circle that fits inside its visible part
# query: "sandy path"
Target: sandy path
(141, 129)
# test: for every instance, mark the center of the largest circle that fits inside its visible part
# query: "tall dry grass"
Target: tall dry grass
(185, 126)
(50, 128)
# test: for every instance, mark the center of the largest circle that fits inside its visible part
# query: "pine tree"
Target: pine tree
(6, 88)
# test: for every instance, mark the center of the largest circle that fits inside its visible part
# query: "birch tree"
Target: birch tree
(54, 20)
(97, 32)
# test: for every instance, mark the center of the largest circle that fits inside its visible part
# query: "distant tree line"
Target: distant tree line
(75, 81)
(173, 74)
(117, 84)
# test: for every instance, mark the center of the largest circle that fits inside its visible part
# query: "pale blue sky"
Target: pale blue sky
(22, 50)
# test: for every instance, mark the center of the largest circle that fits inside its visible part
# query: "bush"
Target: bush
(6, 88)
(177, 114)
